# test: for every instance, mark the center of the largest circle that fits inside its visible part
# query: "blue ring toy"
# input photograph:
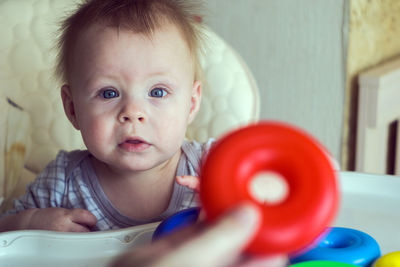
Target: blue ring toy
(343, 245)
(176, 221)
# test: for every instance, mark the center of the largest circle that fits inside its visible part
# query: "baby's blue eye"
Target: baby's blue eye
(158, 92)
(109, 93)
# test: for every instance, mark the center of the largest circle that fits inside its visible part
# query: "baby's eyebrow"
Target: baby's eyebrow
(161, 74)
(98, 77)
(163, 77)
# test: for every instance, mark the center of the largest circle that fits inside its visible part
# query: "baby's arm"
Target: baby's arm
(41, 207)
(55, 219)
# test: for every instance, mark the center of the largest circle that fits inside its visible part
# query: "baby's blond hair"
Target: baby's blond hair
(139, 16)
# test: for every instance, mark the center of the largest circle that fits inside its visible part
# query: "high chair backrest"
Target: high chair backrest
(27, 55)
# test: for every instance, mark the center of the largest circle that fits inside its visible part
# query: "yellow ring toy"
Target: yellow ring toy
(389, 260)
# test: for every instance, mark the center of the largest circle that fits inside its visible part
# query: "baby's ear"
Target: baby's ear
(195, 100)
(68, 104)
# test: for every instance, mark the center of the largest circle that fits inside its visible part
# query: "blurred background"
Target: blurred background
(306, 57)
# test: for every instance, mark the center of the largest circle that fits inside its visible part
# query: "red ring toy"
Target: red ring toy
(313, 196)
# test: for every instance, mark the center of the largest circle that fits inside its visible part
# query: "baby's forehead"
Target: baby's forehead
(168, 35)
(167, 30)
(105, 49)
(105, 41)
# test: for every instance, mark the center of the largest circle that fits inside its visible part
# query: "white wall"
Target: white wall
(296, 51)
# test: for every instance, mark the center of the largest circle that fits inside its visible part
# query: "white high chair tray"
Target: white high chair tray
(370, 203)
(45, 248)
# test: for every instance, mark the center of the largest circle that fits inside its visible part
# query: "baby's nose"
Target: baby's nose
(131, 113)
(128, 118)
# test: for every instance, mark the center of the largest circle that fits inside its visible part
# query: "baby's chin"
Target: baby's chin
(142, 159)
(140, 165)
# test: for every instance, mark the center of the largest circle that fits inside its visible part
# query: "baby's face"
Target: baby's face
(132, 95)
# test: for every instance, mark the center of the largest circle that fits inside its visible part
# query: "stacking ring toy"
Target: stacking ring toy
(389, 260)
(344, 245)
(322, 264)
(299, 159)
(176, 221)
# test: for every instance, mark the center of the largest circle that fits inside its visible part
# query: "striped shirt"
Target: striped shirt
(70, 182)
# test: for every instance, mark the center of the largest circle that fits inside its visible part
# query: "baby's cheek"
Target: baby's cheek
(96, 132)
(171, 134)
(176, 127)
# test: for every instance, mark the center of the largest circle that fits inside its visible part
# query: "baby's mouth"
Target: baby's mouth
(134, 144)
(135, 141)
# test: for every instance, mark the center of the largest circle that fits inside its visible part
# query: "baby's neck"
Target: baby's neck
(139, 195)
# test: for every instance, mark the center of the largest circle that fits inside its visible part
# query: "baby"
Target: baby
(131, 87)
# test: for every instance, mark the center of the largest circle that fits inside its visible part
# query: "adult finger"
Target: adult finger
(148, 254)
(270, 261)
(220, 244)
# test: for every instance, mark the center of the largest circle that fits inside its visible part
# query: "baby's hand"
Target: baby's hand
(191, 182)
(63, 220)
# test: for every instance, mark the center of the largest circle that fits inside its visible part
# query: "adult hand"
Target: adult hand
(217, 245)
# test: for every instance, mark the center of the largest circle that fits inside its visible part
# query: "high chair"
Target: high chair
(34, 127)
